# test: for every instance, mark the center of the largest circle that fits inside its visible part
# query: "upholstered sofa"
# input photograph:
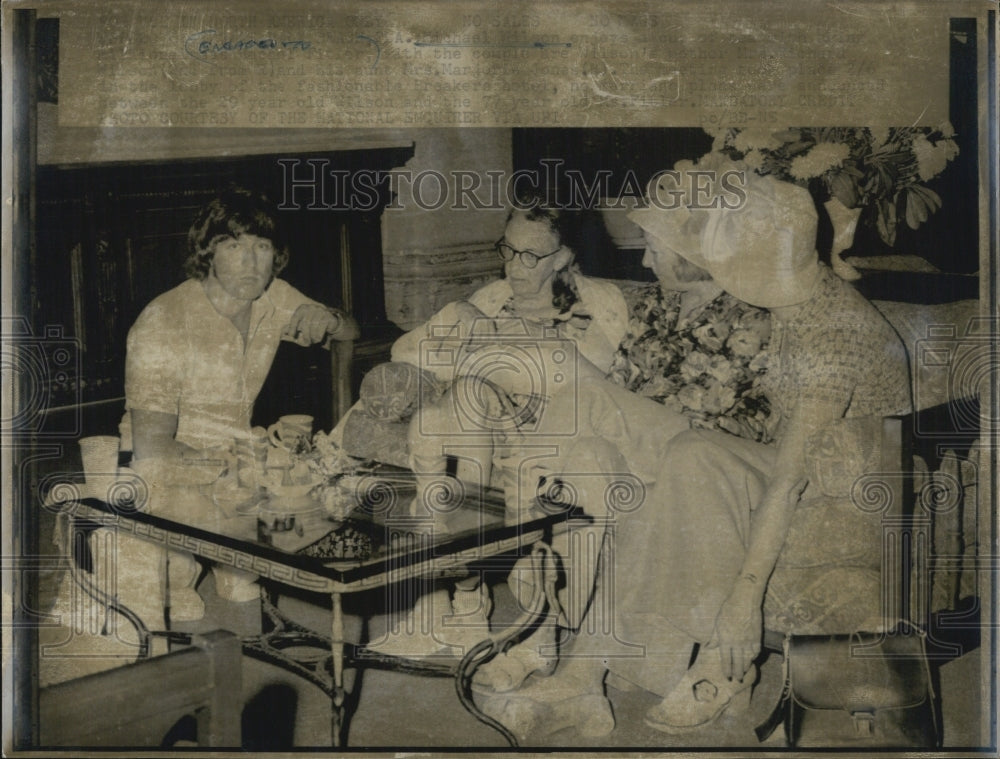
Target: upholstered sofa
(890, 496)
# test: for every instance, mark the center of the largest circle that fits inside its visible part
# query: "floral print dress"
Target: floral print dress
(706, 365)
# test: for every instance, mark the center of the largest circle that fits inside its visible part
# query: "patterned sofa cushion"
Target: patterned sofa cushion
(933, 336)
(825, 600)
(839, 454)
(827, 531)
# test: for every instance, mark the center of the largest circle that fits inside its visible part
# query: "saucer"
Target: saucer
(239, 501)
(250, 506)
(288, 504)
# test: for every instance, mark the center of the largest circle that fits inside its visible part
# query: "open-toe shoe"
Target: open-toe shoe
(701, 696)
(545, 706)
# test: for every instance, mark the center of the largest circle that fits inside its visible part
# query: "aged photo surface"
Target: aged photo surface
(462, 376)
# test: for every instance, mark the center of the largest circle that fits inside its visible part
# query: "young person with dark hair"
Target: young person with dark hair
(199, 353)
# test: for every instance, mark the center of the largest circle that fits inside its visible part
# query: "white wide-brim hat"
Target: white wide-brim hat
(764, 251)
(759, 241)
(670, 217)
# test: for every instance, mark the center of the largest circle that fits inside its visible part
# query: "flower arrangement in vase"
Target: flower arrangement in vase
(854, 168)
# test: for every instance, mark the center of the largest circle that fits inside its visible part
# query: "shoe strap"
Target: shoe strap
(703, 682)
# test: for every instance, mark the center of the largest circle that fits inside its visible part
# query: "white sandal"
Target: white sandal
(701, 697)
(510, 669)
(545, 707)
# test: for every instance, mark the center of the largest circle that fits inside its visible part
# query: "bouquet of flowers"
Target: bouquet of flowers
(858, 166)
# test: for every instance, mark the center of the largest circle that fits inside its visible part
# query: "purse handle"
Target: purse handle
(765, 729)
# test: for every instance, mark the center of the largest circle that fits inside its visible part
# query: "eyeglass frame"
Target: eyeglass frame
(499, 246)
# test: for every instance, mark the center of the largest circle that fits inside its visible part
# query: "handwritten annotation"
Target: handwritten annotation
(202, 44)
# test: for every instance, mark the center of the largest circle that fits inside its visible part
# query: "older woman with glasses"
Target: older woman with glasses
(497, 358)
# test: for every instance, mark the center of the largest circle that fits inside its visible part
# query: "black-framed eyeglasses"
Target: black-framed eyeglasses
(529, 259)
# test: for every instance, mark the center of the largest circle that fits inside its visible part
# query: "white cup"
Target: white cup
(100, 464)
(251, 457)
(289, 429)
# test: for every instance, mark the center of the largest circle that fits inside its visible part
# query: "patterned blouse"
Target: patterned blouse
(840, 351)
(706, 366)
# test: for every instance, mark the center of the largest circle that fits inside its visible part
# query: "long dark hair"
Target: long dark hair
(233, 212)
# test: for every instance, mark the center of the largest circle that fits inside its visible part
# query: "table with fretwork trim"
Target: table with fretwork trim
(403, 548)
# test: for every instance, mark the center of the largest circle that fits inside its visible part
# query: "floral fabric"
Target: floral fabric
(705, 366)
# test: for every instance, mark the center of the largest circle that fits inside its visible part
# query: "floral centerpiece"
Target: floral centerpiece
(852, 168)
(329, 466)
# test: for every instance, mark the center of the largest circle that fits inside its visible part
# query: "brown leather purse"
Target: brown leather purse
(866, 690)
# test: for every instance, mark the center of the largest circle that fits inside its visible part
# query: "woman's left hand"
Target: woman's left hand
(739, 628)
(739, 625)
(310, 324)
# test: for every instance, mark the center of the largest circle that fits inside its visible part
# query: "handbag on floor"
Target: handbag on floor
(866, 690)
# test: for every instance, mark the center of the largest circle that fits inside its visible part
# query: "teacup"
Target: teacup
(289, 430)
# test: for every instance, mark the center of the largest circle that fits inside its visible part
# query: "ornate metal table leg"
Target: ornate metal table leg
(542, 599)
(337, 706)
(75, 545)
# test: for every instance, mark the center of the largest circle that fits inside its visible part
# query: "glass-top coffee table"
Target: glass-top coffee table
(379, 543)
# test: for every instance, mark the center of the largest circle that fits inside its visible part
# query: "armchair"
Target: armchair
(138, 705)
